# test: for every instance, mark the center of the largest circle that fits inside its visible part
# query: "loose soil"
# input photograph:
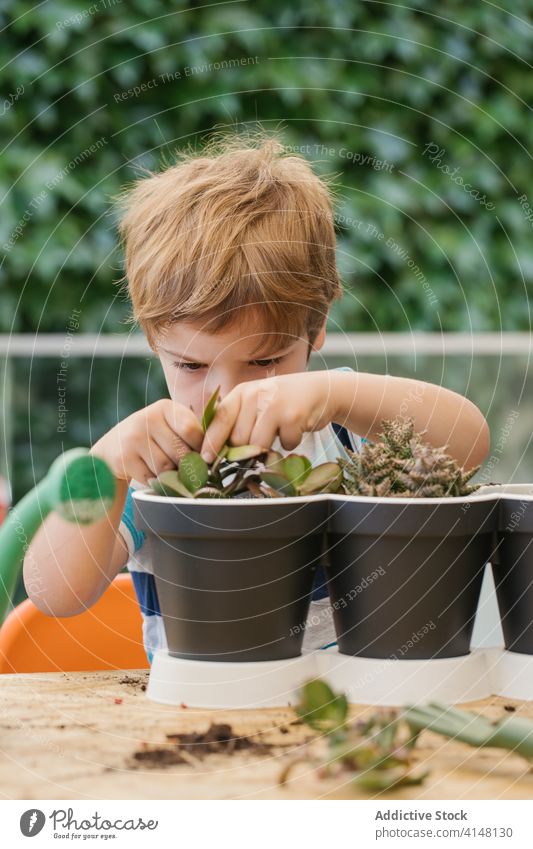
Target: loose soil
(220, 738)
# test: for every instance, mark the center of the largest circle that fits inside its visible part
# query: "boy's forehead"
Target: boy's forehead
(241, 339)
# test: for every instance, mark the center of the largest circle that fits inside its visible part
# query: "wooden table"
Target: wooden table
(73, 735)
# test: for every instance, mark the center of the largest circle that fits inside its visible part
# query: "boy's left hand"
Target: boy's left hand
(257, 411)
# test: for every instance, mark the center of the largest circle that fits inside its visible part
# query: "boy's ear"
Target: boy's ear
(319, 341)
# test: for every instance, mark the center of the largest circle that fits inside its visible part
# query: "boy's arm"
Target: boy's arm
(68, 566)
(362, 400)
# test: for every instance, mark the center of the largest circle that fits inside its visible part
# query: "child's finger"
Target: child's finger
(181, 448)
(170, 442)
(243, 427)
(290, 436)
(264, 432)
(184, 425)
(156, 459)
(218, 432)
(139, 471)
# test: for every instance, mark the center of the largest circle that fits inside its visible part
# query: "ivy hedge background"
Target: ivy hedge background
(354, 84)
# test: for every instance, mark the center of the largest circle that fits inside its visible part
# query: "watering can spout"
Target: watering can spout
(78, 487)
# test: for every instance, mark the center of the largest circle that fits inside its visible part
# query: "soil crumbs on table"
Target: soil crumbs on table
(133, 682)
(194, 746)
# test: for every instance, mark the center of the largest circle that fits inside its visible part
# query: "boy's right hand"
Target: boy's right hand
(150, 441)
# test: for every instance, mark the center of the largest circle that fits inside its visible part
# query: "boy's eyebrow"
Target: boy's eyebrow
(191, 359)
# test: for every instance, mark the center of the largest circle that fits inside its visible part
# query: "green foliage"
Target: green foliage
(362, 88)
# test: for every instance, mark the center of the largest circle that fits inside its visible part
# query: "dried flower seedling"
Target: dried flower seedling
(400, 464)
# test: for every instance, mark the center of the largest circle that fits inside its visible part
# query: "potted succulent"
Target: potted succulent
(406, 551)
(234, 548)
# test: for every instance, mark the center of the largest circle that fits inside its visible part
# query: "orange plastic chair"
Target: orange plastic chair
(106, 636)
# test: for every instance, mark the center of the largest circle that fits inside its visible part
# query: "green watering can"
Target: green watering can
(79, 487)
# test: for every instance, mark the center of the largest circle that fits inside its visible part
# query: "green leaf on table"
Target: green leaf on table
(321, 708)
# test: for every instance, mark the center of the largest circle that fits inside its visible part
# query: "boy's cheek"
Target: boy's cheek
(187, 395)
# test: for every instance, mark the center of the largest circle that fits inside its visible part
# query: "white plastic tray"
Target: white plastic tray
(204, 684)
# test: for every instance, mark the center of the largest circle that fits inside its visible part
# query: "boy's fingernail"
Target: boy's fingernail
(207, 456)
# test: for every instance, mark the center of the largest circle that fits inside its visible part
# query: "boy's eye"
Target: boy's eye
(259, 363)
(265, 363)
(188, 366)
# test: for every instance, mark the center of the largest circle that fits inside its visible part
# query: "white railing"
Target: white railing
(337, 344)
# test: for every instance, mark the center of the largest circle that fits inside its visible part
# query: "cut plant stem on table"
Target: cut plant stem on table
(379, 751)
(509, 732)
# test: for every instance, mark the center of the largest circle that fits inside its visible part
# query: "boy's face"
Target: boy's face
(195, 361)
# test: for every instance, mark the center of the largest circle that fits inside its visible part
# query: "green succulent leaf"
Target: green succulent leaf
(274, 462)
(168, 483)
(193, 471)
(156, 486)
(243, 452)
(208, 492)
(324, 478)
(280, 483)
(210, 409)
(297, 467)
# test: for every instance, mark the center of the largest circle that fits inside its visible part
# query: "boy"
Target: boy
(230, 262)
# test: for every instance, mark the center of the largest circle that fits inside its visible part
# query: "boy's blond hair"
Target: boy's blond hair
(242, 223)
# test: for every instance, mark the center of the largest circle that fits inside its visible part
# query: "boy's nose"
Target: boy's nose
(225, 389)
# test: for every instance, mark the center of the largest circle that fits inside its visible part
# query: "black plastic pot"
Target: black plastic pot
(233, 577)
(405, 575)
(513, 567)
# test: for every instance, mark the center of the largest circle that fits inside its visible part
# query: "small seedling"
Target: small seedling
(254, 471)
